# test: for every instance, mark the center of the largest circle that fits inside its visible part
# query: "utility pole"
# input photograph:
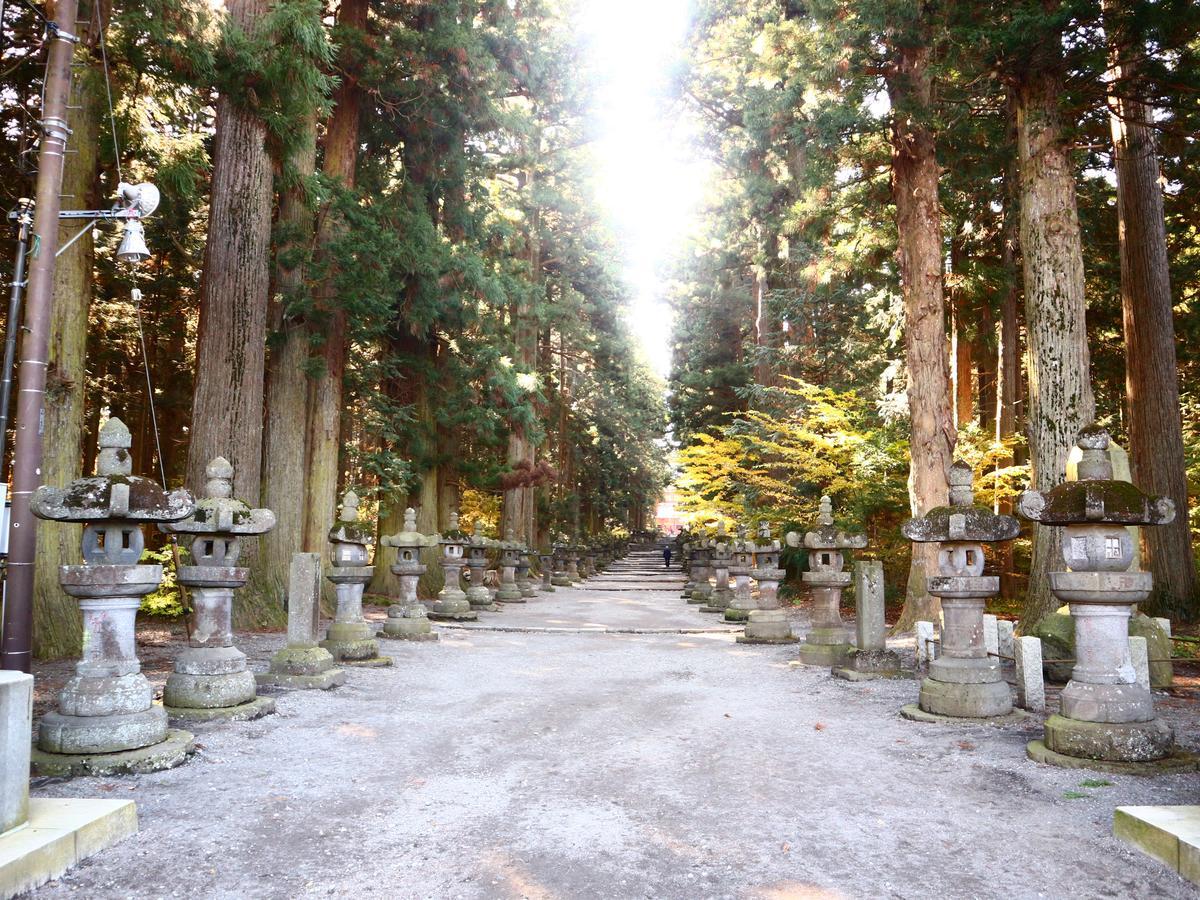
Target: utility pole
(16, 649)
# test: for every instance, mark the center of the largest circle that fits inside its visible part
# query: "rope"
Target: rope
(112, 119)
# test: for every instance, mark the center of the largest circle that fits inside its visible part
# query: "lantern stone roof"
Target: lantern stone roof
(218, 512)
(112, 493)
(408, 536)
(962, 520)
(827, 536)
(347, 529)
(1096, 497)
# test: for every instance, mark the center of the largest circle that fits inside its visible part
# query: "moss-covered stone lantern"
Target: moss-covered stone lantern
(407, 618)
(827, 642)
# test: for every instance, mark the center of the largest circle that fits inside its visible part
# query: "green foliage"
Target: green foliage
(168, 600)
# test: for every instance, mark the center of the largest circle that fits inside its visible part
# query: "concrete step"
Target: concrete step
(1171, 834)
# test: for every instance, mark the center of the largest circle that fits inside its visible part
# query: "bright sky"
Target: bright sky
(648, 177)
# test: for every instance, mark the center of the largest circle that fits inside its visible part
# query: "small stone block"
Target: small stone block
(1171, 834)
(991, 635)
(16, 723)
(60, 833)
(926, 650)
(1140, 656)
(1004, 629)
(1031, 688)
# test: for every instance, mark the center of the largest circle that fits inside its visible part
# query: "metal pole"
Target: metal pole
(24, 220)
(16, 646)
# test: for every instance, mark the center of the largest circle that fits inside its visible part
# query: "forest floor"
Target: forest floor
(553, 751)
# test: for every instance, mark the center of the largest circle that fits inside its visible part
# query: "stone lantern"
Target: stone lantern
(573, 564)
(590, 557)
(106, 720)
(350, 638)
(827, 642)
(210, 680)
(510, 558)
(701, 570)
(524, 564)
(452, 603)
(407, 618)
(560, 578)
(1106, 715)
(963, 682)
(546, 561)
(685, 564)
(767, 624)
(721, 555)
(742, 602)
(478, 594)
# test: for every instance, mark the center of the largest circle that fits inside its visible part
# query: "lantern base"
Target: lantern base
(560, 580)
(546, 588)
(1174, 763)
(188, 691)
(1138, 742)
(824, 655)
(66, 734)
(459, 613)
(733, 614)
(243, 712)
(767, 626)
(171, 751)
(975, 700)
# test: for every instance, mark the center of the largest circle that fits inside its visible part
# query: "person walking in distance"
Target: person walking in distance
(667, 556)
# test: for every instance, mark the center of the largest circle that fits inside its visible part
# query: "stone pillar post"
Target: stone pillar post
(303, 663)
(350, 638)
(964, 681)
(478, 594)
(545, 560)
(871, 658)
(16, 723)
(573, 565)
(720, 557)
(524, 584)
(827, 642)
(1106, 717)
(407, 618)
(106, 720)
(701, 573)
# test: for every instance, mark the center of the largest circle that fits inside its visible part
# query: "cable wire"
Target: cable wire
(112, 119)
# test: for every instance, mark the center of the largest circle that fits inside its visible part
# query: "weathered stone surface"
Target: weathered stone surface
(1170, 834)
(914, 713)
(1031, 688)
(974, 700)
(242, 712)
(106, 695)
(209, 691)
(301, 661)
(16, 723)
(304, 599)
(767, 626)
(1112, 741)
(173, 750)
(923, 641)
(1175, 762)
(59, 733)
(869, 624)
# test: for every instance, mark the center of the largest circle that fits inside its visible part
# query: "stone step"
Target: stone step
(1171, 834)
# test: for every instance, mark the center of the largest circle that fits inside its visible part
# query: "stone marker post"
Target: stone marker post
(720, 557)
(451, 603)
(1031, 689)
(16, 723)
(871, 658)
(685, 563)
(106, 720)
(767, 624)
(407, 618)
(510, 558)
(350, 637)
(478, 594)
(1106, 716)
(742, 603)
(210, 680)
(827, 642)
(303, 664)
(964, 681)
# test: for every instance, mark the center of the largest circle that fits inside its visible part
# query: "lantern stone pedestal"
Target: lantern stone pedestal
(478, 594)
(303, 664)
(767, 624)
(701, 574)
(720, 558)
(510, 559)
(407, 619)
(827, 642)
(350, 638)
(560, 577)
(573, 566)
(1106, 720)
(964, 681)
(451, 604)
(524, 584)
(106, 720)
(546, 561)
(742, 603)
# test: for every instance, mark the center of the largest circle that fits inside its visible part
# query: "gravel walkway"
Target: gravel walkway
(587, 760)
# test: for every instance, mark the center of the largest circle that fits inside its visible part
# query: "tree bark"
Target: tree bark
(1151, 374)
(57, 628)
(919, 234)
(326, 388)
(227, 407)
(1060, 389)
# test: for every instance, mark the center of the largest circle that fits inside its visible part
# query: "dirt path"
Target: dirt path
(583, 763)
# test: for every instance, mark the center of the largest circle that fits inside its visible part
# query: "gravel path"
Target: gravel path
(590, 763)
